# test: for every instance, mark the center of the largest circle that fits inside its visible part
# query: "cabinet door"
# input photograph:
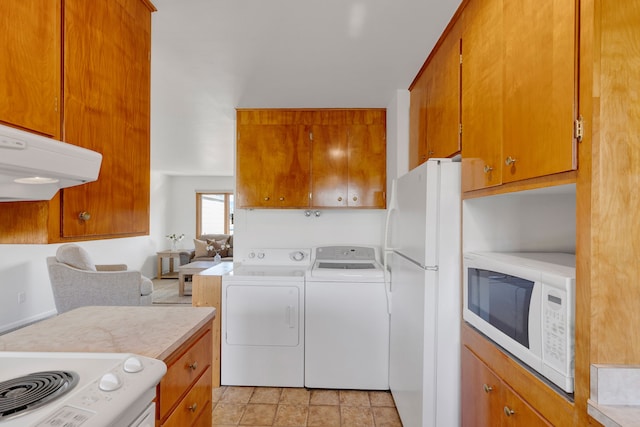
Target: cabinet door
(418, 122)
(30, 80)
(443, 98)
(329, 166)
(481, 393)
(272, 166)
(539, 91)
(516, 412)
(482, 90)
(107, 109)
(367, 166)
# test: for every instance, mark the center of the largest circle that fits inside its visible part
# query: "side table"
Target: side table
(171, 255)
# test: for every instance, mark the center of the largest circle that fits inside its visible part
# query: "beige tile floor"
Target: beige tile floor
(300, 407)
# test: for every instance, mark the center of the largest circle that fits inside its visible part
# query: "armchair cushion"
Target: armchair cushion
(75, 256)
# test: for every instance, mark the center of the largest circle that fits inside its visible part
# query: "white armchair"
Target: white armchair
(77, 282)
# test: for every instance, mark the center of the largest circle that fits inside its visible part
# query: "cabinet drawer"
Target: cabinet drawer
(183, 373)
(196, 405)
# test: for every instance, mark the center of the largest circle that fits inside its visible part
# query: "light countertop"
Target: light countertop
(615, 395)
(148, 331)
(615, 415)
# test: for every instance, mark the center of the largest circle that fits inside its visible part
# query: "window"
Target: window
(214, 213)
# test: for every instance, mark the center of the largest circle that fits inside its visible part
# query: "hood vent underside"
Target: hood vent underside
(33, 167)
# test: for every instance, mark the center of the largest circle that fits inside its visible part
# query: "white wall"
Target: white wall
(398, 136)
(290, 228)
(23, 267)
(535, 220)
(181, 214)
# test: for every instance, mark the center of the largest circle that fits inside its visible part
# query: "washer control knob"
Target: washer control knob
(260, 255)
(110, 382)
(252, 255)
(297, 256)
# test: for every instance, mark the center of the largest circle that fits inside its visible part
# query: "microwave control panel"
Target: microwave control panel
(555, 334)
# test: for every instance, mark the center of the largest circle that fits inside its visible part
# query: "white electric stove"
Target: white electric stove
(263, 319)
(39, 389)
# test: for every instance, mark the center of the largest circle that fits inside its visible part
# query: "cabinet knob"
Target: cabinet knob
(355, 198)
(84, 216)
(193, 407)
(508, 411)
(487, 388)
(487, 168)
(266, 199)
(339, 199)
(509, 161)
(281, 199)
(193, 366)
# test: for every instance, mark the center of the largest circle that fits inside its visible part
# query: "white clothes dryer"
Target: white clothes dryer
(263, 319)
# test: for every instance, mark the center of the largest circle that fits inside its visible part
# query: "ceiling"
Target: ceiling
(210, 57)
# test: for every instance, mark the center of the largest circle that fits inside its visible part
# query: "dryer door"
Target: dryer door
(263, 315)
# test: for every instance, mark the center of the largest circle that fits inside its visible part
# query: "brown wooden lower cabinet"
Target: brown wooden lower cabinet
(488, 401)
(184, 394)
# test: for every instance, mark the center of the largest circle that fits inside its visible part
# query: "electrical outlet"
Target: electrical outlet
(22, 297)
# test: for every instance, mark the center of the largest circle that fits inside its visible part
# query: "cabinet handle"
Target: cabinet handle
(339, 199)
(266, 199)
(487, 388)
(508, 411)
(193, 366)
(509, 161)
(84, 216)
(487, 169)
(431, 152)
(193, 407)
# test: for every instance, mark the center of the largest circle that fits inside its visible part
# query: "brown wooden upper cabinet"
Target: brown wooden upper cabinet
(101, 50)
(272, 165)
(311, 158)
(518, 91)
(434, 117)
(30, 68)
(107, 109)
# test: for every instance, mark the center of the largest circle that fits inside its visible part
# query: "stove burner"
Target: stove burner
(31, 391)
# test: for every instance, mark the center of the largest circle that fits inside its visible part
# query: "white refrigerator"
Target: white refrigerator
(422, 254)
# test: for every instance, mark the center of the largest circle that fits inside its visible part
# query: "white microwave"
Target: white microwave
(525, 302)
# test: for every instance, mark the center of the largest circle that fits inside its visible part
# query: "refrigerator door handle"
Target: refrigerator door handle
(387, 279)
(393, 206)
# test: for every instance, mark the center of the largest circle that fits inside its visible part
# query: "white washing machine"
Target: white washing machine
(263, 319)
(346, 320)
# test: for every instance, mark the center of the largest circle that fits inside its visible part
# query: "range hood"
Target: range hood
(33, 167)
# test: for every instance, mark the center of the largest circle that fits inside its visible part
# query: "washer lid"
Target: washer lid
(346, 271)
